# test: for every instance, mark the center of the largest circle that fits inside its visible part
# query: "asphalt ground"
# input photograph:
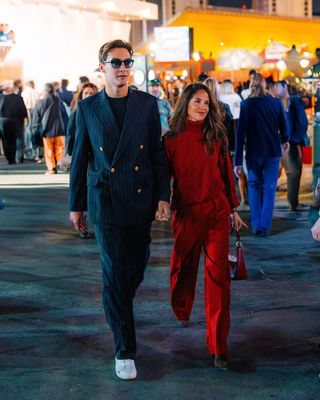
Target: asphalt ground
(54, 341)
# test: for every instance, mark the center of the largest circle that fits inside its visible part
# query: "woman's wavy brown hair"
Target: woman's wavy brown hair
(213, 128)
(78, 95)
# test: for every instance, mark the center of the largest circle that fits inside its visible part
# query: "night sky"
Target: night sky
(316, 7)
(231, 3)
(248, 3)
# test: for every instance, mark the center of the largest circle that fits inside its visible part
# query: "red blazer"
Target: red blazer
(197, 175)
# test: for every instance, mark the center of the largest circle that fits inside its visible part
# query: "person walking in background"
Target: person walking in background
(64, 94)
(225, 111)
(12, 117)
(165, 109)
(175, 91)
(118, 159)
(18, 86)
(230, 126)
(82, 79)
(20, 142)
(86, 90)
(203, 199)
(30, 98)
(263, 130)
(229, 96)
(245, 93)
(280, 91)
(298, 126)
(48, 123)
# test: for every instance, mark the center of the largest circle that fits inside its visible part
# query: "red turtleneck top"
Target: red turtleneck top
(198, 175)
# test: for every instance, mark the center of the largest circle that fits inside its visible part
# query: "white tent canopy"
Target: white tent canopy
(236, 59)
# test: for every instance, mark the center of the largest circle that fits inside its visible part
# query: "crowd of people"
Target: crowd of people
(136, 157)
(6, 34)
(39, 125)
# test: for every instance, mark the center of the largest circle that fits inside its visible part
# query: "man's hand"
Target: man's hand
(316, 230)
(238, 171)
(78, 218)
(163, 211)
(285, 147)
(64, 163)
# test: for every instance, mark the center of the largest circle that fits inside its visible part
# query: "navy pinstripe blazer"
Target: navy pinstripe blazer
(121, 180)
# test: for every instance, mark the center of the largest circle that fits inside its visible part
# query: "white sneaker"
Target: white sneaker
(126, 369)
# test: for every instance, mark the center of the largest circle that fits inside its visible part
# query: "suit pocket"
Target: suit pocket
(92, 180)
(99, 204)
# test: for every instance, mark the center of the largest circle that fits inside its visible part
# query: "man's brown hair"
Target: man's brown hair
(258, 86)
(114, 44)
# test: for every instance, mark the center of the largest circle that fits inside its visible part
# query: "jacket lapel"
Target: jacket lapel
(104, 113)
(130, 120)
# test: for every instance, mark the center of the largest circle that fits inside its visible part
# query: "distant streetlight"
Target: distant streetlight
(184, 73)
(196, 56)
(281, 65)
(304, 63)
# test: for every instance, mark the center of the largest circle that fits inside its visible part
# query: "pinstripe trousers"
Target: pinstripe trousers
(124, 254)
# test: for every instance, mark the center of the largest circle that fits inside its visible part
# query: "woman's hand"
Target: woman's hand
(237, 222)
(238, 171)
(163, 211)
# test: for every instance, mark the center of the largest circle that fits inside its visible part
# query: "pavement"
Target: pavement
(55, 343)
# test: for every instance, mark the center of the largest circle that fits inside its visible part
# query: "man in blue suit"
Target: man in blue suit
(119, 168)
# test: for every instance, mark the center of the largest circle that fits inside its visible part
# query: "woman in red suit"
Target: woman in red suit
(203, 199)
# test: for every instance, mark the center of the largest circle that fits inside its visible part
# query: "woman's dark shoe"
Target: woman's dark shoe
(221, 361)
(184, 323)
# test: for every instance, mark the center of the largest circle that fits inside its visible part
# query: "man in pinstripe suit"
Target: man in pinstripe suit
(119, 168)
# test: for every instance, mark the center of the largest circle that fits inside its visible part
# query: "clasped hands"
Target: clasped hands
(78, 218)
(163, 211)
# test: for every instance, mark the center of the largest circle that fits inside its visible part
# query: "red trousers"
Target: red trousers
(206, 226)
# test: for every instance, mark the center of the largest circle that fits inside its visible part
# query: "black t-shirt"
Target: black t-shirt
(119, 108)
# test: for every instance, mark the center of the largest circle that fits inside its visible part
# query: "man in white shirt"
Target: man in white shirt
(246, 92)
(30, 97)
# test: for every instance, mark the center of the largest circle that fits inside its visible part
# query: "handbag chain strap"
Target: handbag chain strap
(238, 239)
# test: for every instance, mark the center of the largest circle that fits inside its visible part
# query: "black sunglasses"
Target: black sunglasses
(116, 62)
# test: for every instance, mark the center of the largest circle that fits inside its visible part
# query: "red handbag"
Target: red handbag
(238, 270)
